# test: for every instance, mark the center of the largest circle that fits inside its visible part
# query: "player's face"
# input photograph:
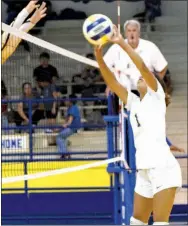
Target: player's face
(132, 34)
(141, 85)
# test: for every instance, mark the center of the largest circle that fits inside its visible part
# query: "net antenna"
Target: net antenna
(119, 16)
(122, 114)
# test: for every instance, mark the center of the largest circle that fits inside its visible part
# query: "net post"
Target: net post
(111, 121)
(127, 175)
(30, 131)
(128, 205)
(124, 177)
(110, 105)
(131, 157)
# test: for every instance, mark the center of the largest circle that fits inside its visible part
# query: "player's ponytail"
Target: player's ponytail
(167, 96)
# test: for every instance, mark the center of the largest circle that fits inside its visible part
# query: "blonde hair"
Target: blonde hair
(132, 22)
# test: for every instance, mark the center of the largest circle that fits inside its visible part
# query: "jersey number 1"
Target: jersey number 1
(138, 123)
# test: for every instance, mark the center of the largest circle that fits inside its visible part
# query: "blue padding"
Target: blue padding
(14, 204)
(114, 169)
(111, 118)
(64, 203)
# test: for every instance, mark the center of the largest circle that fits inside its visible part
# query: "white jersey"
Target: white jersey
(118, 60)
(147, 118)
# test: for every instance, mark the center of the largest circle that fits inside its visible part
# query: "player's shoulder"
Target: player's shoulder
(159, 93)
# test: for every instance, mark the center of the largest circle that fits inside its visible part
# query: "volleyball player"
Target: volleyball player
(119, 61)
(159, 174)
(10, 42)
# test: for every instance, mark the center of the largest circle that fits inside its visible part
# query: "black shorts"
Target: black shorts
(49, 115)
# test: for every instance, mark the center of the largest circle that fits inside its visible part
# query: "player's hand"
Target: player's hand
(98, 51)
(31, 6)
(116, 37)
(39, 14)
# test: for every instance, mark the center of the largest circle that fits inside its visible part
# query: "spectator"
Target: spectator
(72, 124)
(86, 84)
(22, 113)
(49, 91)
(152, 10)
(4, 107)
(45, 70)
(87, 79)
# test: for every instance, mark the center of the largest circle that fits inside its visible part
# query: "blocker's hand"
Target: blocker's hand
(39, 14)
(31, 6)
(116, 37)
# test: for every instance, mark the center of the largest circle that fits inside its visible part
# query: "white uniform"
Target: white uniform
(159, 168)
(118, 60)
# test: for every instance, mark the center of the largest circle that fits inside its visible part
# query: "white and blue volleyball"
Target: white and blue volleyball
(97, 29)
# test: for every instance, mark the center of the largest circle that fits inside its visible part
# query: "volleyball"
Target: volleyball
(97, 29)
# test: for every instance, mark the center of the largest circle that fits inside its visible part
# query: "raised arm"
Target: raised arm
(109, 78)
(10, 45)
(137, 60)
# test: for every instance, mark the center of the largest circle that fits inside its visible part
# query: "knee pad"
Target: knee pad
(160, 223)
(134, 221)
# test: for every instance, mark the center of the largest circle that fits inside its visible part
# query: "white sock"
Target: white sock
(134, 221)
(160, 223)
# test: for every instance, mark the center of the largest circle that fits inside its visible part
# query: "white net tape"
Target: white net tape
(47, 45)
(59, 171)
(77, 57)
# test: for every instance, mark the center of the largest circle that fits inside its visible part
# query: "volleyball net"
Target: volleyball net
(26, 58)
(19, 68)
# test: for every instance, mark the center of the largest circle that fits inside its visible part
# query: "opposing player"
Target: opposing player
(159, 174)
(10, 42)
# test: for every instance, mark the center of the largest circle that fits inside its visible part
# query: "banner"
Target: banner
(15, 143)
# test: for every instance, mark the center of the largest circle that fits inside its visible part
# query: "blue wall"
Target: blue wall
(66, 208)
(58, 208)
